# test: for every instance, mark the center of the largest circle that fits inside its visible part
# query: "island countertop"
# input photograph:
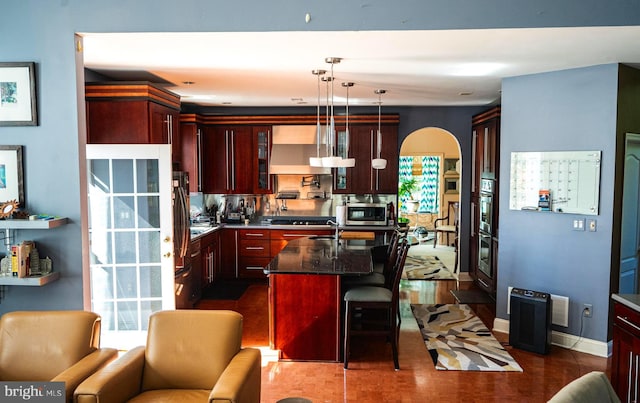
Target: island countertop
(321, 255)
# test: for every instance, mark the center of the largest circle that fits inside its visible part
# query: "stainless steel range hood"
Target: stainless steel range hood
(292, 145)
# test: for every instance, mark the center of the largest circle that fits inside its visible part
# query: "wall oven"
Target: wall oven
(486, 230)
(366, 214)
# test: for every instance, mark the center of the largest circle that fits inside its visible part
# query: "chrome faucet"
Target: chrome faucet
(330, 222)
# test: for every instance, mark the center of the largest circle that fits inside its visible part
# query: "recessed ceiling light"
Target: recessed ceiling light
(296, 99)
(226, 103)
(466, 93)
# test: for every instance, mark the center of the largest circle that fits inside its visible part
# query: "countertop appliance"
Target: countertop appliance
(366, 214)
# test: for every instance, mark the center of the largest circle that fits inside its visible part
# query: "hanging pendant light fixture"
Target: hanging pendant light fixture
(331, 160)
(346, 161)
(379, 163)
(317, 160)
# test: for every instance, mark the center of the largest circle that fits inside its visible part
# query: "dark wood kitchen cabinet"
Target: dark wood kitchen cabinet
(254, 252)
(228, 254)
(227, 160)
(210, 258)
(625, 372)
(485, 164)
(363, 178)
(133, 113)
(191, 143)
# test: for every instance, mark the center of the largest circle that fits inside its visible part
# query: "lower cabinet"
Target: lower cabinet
(228, 254)
(254, 252)
(625, 366)
(210, 258)
(195, 250)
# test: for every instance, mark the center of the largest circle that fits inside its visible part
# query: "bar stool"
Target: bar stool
(385, 299)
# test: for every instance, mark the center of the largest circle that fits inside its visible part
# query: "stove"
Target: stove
(299, 221)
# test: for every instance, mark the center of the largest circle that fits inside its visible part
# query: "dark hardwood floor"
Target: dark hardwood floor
(371, 377)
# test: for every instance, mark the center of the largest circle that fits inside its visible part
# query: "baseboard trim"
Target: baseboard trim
(569, 341)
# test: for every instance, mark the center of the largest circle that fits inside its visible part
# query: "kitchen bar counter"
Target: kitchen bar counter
(305, 296)
(319, 255)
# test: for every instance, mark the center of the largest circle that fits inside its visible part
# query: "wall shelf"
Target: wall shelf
(32, 224)
(34, 281)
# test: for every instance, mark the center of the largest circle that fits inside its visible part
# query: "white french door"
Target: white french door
(131, 238)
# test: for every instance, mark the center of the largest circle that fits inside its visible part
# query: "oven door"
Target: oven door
(486, 208)
(484, 254)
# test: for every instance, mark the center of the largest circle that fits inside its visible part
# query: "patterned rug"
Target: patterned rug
(419, 267)
(457, 339)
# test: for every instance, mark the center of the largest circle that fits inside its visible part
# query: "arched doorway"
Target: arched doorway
(431, 157)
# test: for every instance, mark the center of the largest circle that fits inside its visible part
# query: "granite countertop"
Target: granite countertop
(630, 300)
(323, 256)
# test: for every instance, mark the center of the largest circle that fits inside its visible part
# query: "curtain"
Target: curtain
(427, 178)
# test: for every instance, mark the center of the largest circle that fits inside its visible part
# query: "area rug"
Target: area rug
(457, 339)
(472, 297)
(419, 267)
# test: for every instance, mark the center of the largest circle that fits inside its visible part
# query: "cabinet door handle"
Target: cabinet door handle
(233, 160)
(254, 248)
(254, 234)
(254, 268)
(226, 145)
(371, 136)
(199, 157)
(293, 235)
(626, 321)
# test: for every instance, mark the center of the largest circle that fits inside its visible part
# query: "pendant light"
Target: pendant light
(331, 160)
(346, 161)
(317, 161)
(379, 163)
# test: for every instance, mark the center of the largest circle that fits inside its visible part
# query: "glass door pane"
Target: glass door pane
(130, 230)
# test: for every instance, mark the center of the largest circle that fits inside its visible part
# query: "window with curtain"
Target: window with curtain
(426, 170)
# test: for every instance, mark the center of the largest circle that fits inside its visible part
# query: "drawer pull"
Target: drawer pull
(254, 234)
(254, 248)
(624, 320)
(254, 268)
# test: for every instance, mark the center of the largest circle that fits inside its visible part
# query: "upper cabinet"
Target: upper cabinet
(486, 140)
(191, 134)
(133, 113)
(363, 146)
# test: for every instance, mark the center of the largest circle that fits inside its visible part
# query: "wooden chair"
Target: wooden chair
(447, 225)
(385, 299)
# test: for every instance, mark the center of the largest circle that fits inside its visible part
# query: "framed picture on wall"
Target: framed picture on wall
(450, 166)
(18, 94)
(11, 182)
(451, 185)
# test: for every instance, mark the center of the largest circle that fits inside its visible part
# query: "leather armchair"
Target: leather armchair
(57, 346)
(190, 356)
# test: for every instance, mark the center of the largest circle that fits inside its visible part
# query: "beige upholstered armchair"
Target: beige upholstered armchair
(190, 356)
(43, 346)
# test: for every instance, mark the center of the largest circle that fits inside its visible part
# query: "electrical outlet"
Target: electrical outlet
(587, 310)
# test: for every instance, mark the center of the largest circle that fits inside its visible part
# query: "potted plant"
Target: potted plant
(406, 189)
(403, 221)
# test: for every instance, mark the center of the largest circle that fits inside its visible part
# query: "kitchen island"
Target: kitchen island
(305, 295)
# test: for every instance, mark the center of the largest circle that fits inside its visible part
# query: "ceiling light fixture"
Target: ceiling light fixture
(347, 162)
(379, 163)
(317, 161)
(331, 160)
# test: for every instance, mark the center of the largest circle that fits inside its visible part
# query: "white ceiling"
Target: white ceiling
(419, 68)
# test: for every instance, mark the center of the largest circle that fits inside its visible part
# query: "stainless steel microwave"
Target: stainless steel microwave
(366, 214)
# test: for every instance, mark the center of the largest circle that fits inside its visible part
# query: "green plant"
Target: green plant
(403, 219)
(407, 187)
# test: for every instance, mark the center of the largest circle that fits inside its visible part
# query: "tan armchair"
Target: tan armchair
(58, 346)
(190, 356)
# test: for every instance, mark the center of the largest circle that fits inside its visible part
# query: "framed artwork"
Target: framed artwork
(11, 179)
(18, 94)
(450, 165)
(451, 185)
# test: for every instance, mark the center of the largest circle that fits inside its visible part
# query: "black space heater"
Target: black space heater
(530, 322)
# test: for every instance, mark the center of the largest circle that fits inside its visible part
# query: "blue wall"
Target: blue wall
(43, 31)
(560, 111)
